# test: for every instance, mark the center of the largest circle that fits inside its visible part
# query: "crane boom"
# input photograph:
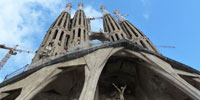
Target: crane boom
(8, 55)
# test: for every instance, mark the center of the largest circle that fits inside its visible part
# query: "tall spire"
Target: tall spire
(56, 39)
(135, 34)
(79, 36)
(112, 27)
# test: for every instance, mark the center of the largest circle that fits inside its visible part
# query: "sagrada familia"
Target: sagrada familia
(123, 65)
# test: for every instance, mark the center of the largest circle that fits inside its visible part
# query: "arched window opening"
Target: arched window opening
(79, 32)
(67, 85)
(11, 94)
(55, 34)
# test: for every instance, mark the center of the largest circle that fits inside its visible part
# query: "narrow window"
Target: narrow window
(80, 17)
(132, 30)
(65, 23)
(84, 36)
(116, 23)
(61, 20)
(122, 36)
(106, 24)
(75, 20)
(73, 36)
(117, 36)
(150, 45)
(79, 32)
(67, 39)
(143, 44)
(111, 23)
(112, 38)
(55, 34)
(61, 35)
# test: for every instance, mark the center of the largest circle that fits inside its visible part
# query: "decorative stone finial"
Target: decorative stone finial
(119, 17)
(69, 5)
(68, 8)
(116, 12)
(80, 5)
(103, 8)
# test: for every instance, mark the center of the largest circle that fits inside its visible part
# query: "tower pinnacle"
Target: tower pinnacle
(103, 8)
(68, 8)
(80, 5)
(120, 18)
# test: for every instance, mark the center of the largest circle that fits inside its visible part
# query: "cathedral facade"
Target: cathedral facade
(123, 65)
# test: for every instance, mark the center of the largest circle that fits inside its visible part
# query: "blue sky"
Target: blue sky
(166, 23)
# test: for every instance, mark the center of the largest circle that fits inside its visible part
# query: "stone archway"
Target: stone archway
(66, 86)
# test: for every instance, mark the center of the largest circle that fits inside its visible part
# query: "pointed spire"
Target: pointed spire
(103, 8)
(119, 17)
(80, 5)
(68, 8)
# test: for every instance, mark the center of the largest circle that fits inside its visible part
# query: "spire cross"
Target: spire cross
(120, 17)
(103, 8)
(68, 7)
(80, 5)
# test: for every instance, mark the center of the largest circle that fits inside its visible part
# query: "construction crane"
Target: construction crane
(94, 18)
(12, 51)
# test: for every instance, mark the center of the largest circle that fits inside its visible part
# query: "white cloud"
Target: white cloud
(146, 16)
(91, 12)
(25, 22)
(146, 4)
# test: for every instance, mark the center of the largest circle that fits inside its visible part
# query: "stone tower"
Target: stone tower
(57, 37)
(125, 65)
(134, 34)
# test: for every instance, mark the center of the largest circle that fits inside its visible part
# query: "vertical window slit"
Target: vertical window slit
(65, 21)
(122, 35)
(80, 17)
(55, 34)
(79, 32)
(132, 30)
(67, 39)
(84, 36)
(61, 35)
(73, 35)
(111, 23)
(61, 20)
(112, 38)
(75, 17)
(150, 45)
(117, 36)
(143, 44)
(116, 23)
(106, 22)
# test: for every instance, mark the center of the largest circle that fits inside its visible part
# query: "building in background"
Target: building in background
(124, 65)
